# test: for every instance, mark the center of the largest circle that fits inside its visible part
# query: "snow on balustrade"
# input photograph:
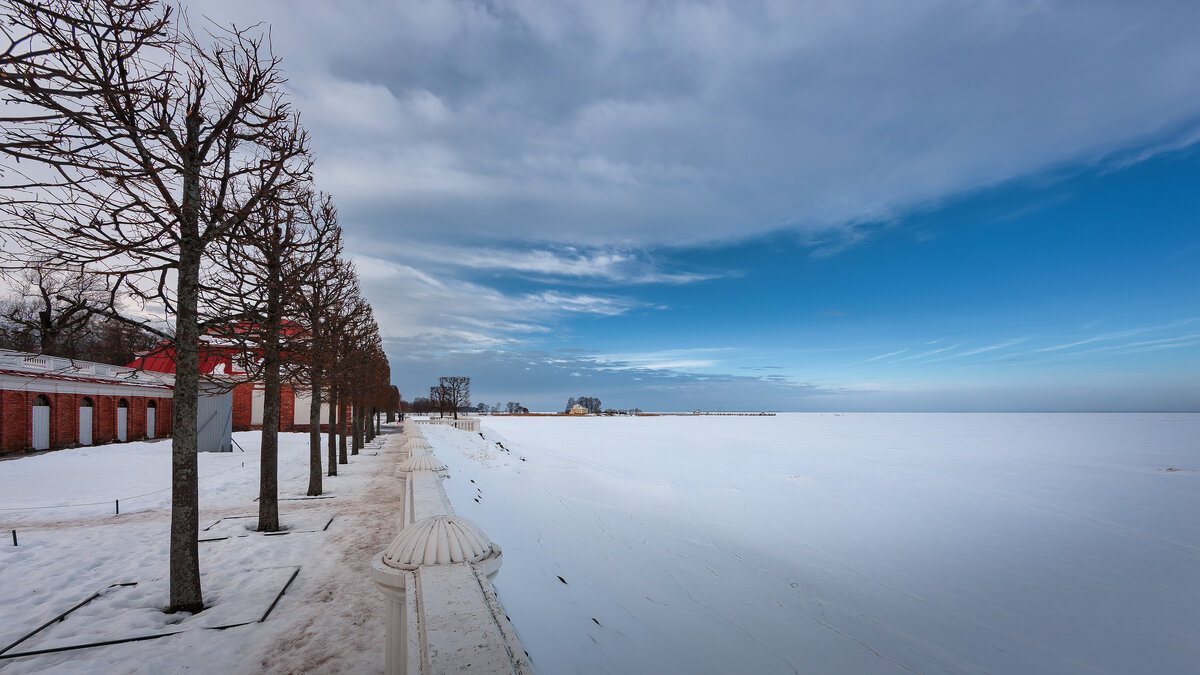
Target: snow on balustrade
(442, 613)
(464, 423)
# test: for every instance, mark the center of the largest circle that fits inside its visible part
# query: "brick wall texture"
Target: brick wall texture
(16, 418)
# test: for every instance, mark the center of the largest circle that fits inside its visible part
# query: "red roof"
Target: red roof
(161, 359)
(287, 329)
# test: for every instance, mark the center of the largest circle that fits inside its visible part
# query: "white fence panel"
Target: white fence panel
(215, 422)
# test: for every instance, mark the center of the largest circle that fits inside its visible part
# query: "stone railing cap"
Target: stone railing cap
(419, 462)
(438, 540)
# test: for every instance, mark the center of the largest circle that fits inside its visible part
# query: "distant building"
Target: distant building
(577, 410)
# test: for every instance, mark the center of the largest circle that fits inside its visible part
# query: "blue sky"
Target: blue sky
(927, 205)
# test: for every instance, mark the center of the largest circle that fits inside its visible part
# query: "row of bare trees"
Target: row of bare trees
(168, 165)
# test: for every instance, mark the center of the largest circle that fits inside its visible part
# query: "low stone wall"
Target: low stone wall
(465, 423)
(442, 612)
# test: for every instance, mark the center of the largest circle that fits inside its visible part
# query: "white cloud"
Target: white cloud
(1096, 338)
(991, 348)
(663, 360)
(930, 352)
(608, 265)
(651, 123)
(452, 313)
(884, 356)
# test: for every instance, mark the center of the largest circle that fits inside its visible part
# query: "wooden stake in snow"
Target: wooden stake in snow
(14, 537)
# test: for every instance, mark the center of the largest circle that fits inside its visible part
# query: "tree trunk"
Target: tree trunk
(269, 465)
(342, 455)
(355, 428)
(268, 484)
(185, 593)
(332, 433)
(314, 433)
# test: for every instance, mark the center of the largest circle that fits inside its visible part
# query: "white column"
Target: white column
(391, 582)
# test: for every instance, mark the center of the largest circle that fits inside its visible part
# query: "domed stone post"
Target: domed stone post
(437, 540)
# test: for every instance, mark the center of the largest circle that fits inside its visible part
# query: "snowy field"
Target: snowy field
(329, 620)
(857, 543)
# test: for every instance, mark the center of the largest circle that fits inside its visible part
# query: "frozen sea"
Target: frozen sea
(853, 543)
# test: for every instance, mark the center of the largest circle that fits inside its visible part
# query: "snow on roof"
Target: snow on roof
(23, 364)
(65, 377)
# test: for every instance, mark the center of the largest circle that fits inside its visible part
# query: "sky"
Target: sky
(677, 205)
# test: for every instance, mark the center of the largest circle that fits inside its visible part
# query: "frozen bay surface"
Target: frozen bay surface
(855, 543)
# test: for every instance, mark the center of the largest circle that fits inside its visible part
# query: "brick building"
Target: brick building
(293, 408)
(48, 403)
(221, 361)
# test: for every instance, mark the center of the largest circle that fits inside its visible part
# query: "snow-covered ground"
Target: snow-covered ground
(856, 543)
(330, 619)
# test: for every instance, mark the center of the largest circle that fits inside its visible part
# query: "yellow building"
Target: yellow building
(577, 410)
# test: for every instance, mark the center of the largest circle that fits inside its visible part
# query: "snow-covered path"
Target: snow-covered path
(842, 543)
(330, 619)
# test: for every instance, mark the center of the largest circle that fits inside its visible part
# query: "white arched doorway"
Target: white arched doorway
(122, 420)
(85, 421)
(151, 409)
(41, 423)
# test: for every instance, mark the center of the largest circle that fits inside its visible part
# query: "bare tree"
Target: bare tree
(55, 306)
(360, 362)
(263, 261)
(440, 399)
(351, 318)
(457, 392)
(327, 284)
(148, 146)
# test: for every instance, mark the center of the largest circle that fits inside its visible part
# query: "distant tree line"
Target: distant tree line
(48, 311)
(589, 403)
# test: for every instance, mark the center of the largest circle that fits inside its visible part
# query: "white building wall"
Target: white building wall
(300, 414)
(256, 405)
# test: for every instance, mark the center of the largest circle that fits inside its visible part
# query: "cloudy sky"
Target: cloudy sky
(910, 205)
